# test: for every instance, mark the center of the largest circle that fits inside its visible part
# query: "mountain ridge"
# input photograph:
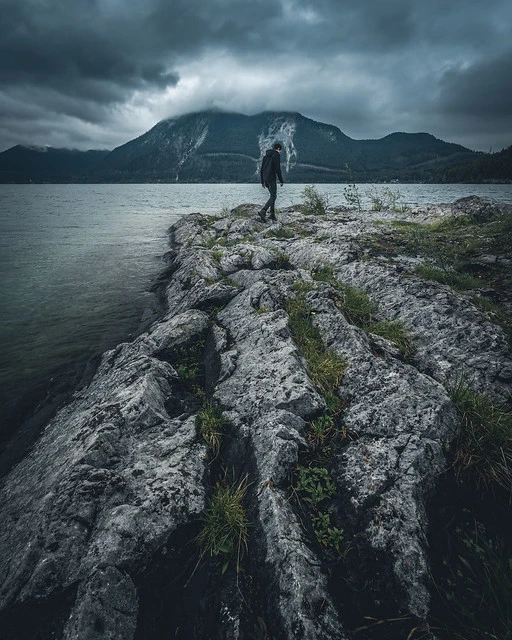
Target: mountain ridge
(220, 146)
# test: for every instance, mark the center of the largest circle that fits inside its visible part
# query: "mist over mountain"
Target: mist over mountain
(215, 146)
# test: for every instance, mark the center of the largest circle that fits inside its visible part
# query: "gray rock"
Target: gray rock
(121, 472)
(113, 476)
(478, 209)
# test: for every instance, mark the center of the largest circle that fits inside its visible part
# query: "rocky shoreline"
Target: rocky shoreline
(99, 526)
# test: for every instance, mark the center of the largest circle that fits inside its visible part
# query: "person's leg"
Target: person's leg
(272, 187)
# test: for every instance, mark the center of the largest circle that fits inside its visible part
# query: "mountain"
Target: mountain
(46, 164)
(213, 146)
(216, 146)
(495, 167)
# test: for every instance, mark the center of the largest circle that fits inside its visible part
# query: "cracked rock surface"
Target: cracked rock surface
(121, 474)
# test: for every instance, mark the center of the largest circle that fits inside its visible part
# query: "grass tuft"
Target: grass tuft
(210, 422)
(282, 261)
(395, 332)
(188, 364)
(353, 303)
(217, 255)
(325, 367)
(282, 232)
(225, 524)
(325, 273)
(356, 306)
(459, 281)
(484, 445)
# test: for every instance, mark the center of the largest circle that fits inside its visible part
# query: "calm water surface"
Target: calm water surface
(77, 261)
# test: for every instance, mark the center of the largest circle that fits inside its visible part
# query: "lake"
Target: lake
(77, 262)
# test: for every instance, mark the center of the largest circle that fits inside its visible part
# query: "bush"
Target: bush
(387, 200)
(314, 203)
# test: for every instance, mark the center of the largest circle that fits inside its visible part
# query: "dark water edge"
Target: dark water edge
(25, 415)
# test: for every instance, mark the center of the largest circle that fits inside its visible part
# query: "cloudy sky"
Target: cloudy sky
(97, 73)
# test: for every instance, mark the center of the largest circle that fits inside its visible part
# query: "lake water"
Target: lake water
(77, 261)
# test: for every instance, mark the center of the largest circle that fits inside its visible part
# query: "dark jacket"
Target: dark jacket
(271, 167)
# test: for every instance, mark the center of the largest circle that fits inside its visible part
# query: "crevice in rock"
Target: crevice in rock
(470, 539)
(39, 620)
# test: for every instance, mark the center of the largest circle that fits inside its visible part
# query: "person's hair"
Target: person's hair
(278, 145)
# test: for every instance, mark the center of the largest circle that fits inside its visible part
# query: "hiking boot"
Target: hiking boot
(262, 214)
(272, 216)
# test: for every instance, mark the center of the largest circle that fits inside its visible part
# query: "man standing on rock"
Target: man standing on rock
(270, 171)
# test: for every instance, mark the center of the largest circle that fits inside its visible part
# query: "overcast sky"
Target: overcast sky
(97, 73)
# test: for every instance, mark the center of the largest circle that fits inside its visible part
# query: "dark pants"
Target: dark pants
(272, 187)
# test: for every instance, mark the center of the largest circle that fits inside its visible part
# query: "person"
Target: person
(270, 171)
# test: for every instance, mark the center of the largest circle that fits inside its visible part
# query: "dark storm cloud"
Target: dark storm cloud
(108, 68)
(67, 47)
(482, 88)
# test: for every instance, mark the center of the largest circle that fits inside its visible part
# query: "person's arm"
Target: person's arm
(261, 175)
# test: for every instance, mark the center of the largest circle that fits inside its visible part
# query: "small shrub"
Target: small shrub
(210, 422)
(387, 200)
(351, 192)
(326, 534)
(224, 532)
(314, 203)
(282, 261)
(484, 444)
(395, 332)
(314, 484)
